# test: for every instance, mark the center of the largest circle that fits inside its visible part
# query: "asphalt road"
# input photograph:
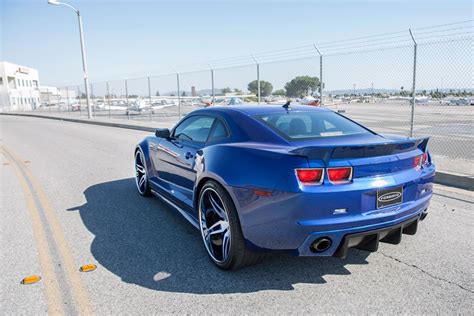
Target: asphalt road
(68, 199)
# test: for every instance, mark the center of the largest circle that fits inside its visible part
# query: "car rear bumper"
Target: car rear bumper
(365, 238)
(369, 240)
(292, 222)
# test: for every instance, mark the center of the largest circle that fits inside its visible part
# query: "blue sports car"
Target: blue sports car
(298, 179)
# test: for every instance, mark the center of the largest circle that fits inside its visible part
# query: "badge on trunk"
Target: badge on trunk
(389, 197)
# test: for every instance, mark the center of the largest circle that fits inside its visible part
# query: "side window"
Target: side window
(195, 128)
(219, 131)
(329, 125)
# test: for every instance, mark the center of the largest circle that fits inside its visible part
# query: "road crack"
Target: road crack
(427, 273)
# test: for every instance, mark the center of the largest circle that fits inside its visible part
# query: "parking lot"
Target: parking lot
(68, 190)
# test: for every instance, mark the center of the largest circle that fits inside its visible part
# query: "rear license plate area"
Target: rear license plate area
(389, 197)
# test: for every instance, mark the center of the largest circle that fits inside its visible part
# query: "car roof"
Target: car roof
(251, 109)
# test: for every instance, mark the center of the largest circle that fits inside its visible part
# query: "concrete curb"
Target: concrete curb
(455, 180)
(445, 178)
(92, 122)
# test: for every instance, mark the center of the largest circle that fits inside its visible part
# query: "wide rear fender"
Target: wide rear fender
(252, 167)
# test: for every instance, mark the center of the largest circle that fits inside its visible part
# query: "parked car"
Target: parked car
(297, 179)
(75, 107)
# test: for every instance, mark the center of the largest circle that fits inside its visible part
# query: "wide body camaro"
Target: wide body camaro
(298, 179)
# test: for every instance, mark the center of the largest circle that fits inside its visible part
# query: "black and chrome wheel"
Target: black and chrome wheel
(141, 179)
(220, 229)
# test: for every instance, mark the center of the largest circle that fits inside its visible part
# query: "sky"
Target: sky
(132, 38)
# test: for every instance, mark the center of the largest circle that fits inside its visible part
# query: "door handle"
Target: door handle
(188, 155)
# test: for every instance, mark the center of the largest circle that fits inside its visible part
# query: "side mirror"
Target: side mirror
(162, 133)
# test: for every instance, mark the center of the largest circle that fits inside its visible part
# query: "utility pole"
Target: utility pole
(258, 78)
(320, 75)
(413, 95)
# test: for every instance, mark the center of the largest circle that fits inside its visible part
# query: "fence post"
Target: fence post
(126, 99)
(79, 100)
(59, 100)
(212, 84)
(179, 97)
(92, 98)
(149, 97)
(31, 100)
(258, 78)
(413, 98)
(320, 75)
(68, 102)
(108, 95)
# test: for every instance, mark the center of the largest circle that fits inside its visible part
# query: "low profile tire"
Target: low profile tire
(220, 229)
(141, 175)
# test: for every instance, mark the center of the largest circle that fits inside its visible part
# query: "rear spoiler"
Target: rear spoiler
(327, 153)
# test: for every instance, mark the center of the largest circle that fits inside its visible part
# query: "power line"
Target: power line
(442, 25)
(381, 41)
(445, 30)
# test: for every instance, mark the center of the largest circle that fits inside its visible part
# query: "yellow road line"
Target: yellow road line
(79, 292)
(46, 263)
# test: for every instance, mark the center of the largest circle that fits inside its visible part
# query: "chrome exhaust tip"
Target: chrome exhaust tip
(423, 215)
(321, 244)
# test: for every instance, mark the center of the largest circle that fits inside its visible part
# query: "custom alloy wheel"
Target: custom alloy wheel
(214, 224)
(141, 179)
(220, 229)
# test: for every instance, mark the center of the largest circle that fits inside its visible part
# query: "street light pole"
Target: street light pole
(83, 52)
(258, 78)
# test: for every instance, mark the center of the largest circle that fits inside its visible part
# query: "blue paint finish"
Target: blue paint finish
(256, 157)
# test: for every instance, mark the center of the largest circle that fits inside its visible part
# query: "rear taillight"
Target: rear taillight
(417, 162)
(424, 159)
(310, 176)
(340, 175)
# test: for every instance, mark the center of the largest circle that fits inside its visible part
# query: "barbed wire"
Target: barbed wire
(442, 25)
(383, 41)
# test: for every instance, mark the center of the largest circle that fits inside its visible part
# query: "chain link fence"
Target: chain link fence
(370, 79)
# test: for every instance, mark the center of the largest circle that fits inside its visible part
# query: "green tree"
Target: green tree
(266, 87)
(279, 92)
(403, 92)
(238, 91)
(157, 93)
(301, 86)
(183, 94)
(226, 90)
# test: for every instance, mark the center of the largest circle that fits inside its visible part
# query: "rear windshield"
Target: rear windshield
(307, 125)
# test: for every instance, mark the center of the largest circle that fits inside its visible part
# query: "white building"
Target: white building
(18, 87)
(53, 96)
(49, 95)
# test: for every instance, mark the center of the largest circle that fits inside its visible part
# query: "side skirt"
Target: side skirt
(185, 214)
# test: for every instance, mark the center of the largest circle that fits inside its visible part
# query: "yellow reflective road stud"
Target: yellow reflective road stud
(31, 279)
(88, 267)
